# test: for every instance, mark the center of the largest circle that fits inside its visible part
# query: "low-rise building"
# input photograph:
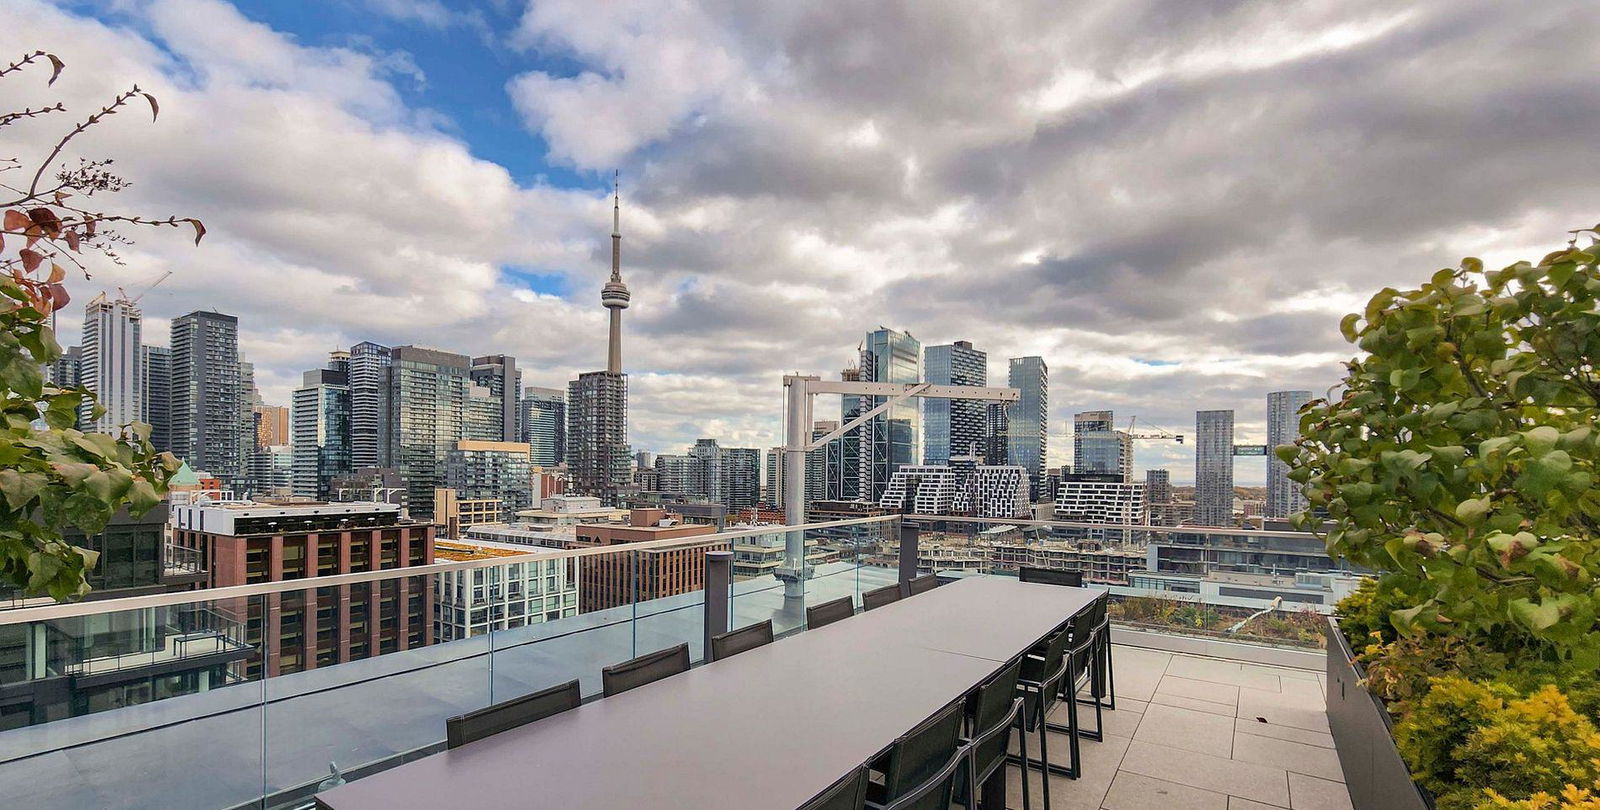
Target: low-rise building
(539, 587)
(610, 580)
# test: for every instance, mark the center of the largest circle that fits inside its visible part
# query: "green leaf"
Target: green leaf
(1473, 510)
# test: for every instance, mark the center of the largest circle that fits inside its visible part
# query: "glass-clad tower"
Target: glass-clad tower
(891, 439)
(1028, 419)
(954, 427)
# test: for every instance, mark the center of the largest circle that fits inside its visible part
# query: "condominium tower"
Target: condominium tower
(207, 402)
(1213, 468)
(544, 425)
(1283, 427)
(111, 365)
(890, 439)
(1027, 420)
(954, 427)
(1098, 448)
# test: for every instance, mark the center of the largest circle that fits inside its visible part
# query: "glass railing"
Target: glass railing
(842, 559)
(1232, 584)
(259, 694)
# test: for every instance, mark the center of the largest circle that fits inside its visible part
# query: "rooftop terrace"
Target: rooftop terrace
(1202, 721)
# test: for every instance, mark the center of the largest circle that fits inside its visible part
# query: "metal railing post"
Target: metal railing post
(908, 553)
(719, 583)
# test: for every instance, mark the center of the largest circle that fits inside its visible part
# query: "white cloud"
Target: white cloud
(1171, 202)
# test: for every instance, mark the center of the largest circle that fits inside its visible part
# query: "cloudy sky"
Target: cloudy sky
(1173, 203)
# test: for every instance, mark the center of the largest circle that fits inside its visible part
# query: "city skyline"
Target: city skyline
(486, 232)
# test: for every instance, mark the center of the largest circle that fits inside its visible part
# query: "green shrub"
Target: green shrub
(1464, 739)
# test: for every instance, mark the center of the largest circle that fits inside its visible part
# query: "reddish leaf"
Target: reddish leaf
(46, 220)
(155, 109)
(199, 229)
(72, 240)
(59, 295)
(57, 64)
(16, 220)
(88, 226)
(56, 274)
(30, 259)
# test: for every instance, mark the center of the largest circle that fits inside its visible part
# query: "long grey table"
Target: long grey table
(769, 728)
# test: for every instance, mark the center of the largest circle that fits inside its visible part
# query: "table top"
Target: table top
(768, 728)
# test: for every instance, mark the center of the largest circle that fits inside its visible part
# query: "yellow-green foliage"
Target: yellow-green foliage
(1469, 742)
(1570, 798)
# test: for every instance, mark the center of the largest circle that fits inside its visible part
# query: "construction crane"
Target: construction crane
(1157, 434)
(123, 294)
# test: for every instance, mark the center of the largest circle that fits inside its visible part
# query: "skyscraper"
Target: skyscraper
(67, 370)
(206, 395)
(1283, 427)
(272, 425)
(843, 471)
(597, 402)
(1098, 448)
(111, 363)
(492, 470)
(499, 374)
(544, 425)
(369, 405)
(1028, 420)
(741, 477)
(954, 427)
(321, 431)
(1213, 468)
(156, 366)
(428, 402)
(890, 439)
(997, 417)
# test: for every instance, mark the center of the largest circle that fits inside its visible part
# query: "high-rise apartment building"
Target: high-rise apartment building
(1098, 448)
(843, 481)
(892, 439)
(499, 374)
(996, 426)
(369, 405)
(824, 464)
(741, 477)
(321, 432)
(954, 427)
(1213, 468)
(479, 470)
(156, 410)
(1283, 427)
(207, 402)
(1158, 486)
(1028, 420)
(428, 403)
(67, 370)
(772, 483)
(597, 402)
(111, 363)
(544, 425)
(677, 474)
(707, 481)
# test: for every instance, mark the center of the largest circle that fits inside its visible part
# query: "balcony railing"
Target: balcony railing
(358, 671)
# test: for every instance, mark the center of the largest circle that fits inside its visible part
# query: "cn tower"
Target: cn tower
(614, 295)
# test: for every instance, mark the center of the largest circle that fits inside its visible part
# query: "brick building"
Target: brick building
(245, 543)
(610, 580)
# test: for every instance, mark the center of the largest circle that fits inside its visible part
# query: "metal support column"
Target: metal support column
(797, 433)
(719, 583)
